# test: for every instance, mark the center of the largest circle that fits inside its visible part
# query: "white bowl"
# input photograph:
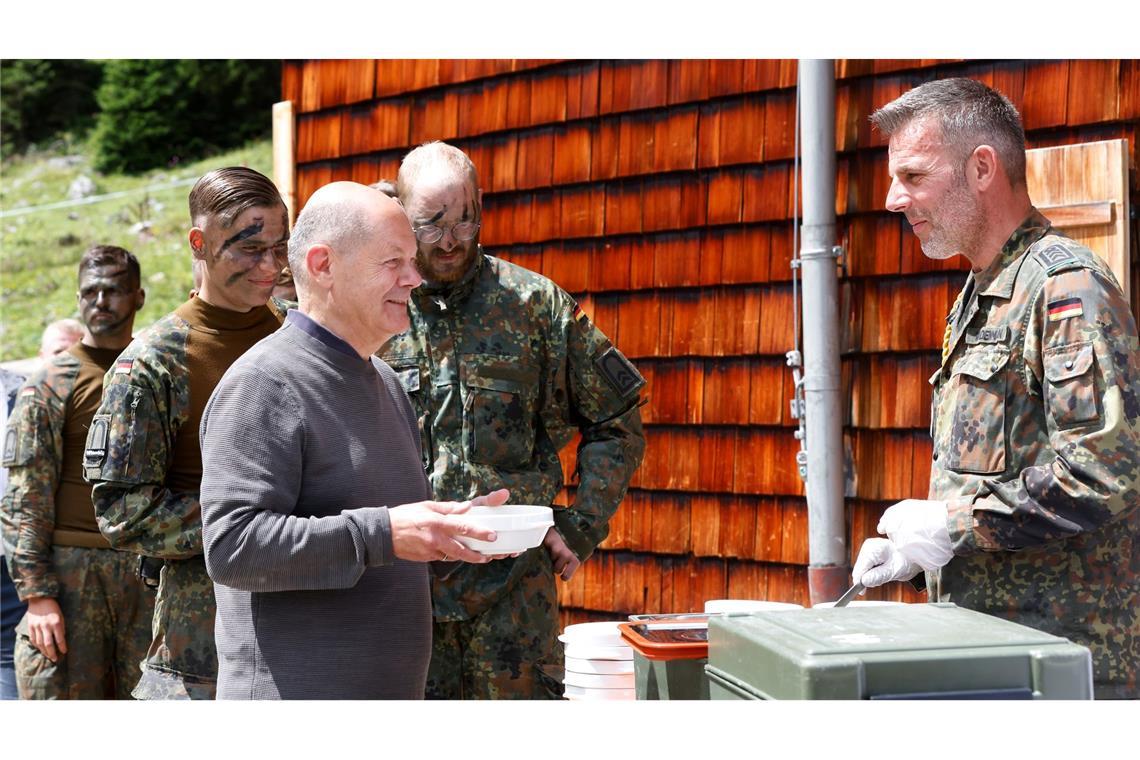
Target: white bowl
(600, 680)
(603, 634)
(600, 667)
(518, 527)
(586, 694)
(748, 605)
(591, 652)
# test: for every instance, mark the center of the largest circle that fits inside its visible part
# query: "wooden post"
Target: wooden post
(284, 155)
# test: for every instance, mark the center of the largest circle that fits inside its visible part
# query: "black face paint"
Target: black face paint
(253, 229)
(238, 275)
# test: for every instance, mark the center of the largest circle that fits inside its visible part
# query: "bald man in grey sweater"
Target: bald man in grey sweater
(308, 443)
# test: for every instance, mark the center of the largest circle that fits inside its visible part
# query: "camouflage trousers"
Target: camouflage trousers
(182, 661)
(106, 617)
(501, 653)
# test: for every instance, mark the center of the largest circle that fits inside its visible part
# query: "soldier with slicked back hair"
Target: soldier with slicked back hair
(143, 457)
(1033, 512)
(88, 621)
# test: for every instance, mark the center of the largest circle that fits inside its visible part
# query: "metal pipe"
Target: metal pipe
(827, 572)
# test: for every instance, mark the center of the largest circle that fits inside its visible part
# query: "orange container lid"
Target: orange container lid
(675, 640)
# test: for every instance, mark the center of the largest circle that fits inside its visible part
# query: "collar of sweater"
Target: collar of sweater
(201, 314)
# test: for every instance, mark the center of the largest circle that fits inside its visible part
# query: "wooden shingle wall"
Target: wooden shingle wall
(660, 194)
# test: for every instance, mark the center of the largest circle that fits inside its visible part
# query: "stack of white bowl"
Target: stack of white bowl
(599, 664)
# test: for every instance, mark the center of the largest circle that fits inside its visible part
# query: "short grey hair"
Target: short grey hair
(431, 155)
(969, 113)
(344, 227)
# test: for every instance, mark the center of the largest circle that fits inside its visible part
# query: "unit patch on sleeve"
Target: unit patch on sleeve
(620, 372)
(1065, 308)
(96, 450)
(10, 438)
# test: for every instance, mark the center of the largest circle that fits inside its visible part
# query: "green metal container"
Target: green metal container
(910, 651)
(669, 679)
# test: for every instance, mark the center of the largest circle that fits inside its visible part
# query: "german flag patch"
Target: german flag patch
(124, 366)
(1065, 308)
(579, 312)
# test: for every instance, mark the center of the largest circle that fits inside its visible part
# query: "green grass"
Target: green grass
(39, 251)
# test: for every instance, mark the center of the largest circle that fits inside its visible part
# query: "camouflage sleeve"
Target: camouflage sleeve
(604, 403)
(129, 449)
(1082, 356)
(32, 445)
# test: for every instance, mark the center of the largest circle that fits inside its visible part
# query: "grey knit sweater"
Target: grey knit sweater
(303, 449)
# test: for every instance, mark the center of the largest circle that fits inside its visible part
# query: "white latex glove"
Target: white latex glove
(917, 539)
(917, 529)
(880, 562)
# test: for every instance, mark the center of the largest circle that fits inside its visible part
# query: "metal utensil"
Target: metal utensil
(848, 595)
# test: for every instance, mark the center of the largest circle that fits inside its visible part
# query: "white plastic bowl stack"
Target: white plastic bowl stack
(518, 527)
(599, 664)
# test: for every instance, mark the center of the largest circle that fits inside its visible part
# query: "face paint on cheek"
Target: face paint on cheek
(240, 274)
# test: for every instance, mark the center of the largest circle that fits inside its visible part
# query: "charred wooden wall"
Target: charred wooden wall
(660, 194)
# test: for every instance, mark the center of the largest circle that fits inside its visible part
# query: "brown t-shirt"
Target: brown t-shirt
(74, 515)
(217, 338)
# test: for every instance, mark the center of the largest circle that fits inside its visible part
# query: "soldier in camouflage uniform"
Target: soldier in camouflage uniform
(1032, 513)
(503, 367)
(88, 621)
(143, 455)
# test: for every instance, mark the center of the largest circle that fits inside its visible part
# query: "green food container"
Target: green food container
(909, 651)
(669, 658)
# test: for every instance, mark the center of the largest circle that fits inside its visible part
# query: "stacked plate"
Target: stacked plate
(599, 664)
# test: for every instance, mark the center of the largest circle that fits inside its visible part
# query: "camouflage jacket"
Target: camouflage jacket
(33, 452)
(1036, 428)
(502, 368)
(130, 448)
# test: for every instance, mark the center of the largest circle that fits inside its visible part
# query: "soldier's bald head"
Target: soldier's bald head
(434, 164)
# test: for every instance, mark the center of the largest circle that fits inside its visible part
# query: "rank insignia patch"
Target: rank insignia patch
(1065, 308)
(96, 450)
(10, 437)
(621, 374)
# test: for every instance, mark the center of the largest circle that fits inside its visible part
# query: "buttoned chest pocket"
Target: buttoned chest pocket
(1071, 384)
(974, 411)
(414, 380)
(499, 412)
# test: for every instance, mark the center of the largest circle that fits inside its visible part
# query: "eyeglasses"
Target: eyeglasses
(430, 233)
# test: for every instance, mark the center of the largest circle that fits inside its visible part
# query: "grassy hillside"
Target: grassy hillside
(40, 250)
